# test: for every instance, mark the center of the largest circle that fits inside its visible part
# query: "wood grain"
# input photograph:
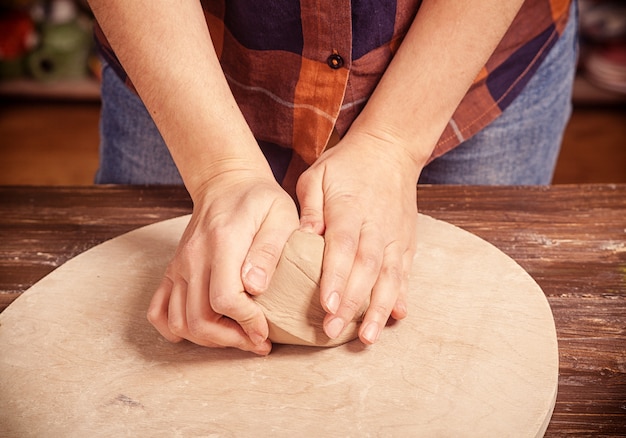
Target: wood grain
(478, 357)
(41, 228)
(571, 239)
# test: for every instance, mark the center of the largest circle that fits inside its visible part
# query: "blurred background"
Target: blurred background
(49, 95)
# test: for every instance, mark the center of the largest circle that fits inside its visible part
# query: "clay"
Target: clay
(292, 302)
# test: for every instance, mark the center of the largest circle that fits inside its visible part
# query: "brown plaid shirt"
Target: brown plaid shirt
(303, 70)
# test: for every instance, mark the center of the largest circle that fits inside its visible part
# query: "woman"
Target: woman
(341, 107)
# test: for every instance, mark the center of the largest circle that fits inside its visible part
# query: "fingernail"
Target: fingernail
(334, 327)
(332, 303)
(371, 332)
(256, 277)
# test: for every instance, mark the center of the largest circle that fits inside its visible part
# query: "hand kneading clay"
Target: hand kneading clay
(292, 301)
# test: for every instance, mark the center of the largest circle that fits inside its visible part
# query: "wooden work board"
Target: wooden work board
(477, 355)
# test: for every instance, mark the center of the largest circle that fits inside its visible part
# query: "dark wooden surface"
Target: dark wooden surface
(571, 239)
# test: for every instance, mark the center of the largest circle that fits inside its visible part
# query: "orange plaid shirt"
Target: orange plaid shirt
(302, 70)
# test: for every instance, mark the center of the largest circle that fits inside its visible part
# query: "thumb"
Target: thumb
(311, 198)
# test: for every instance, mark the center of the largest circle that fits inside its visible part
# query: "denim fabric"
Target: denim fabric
(522, 145)
(519, 147)
(132, 150)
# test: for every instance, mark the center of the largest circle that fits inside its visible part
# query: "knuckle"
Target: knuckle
(352, 304)
(219, 234)
(310, 215)
(266, 252)
(247, 320)
(369, 260)
(222, 230)
(394, 273)
(339, 277)
(176, 325)
(197, 327)
(345, 243)
(381, 310)
(222, 304)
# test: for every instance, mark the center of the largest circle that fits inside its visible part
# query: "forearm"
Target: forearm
(168, 54)
(446, 47)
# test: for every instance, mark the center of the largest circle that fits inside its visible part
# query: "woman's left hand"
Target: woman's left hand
(361, 194)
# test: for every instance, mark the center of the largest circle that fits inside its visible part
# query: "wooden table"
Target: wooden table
(571, 239)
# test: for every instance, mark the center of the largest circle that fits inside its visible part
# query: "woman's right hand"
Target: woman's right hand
(240, 223)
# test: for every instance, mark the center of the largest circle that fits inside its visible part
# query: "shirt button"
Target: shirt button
(335, 61)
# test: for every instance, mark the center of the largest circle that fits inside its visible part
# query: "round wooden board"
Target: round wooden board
(477, 356)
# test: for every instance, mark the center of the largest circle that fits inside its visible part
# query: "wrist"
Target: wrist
(408, 156)
(219, 174)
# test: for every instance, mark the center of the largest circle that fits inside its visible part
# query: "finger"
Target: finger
(311, 198)
(265, 252)
(230, 334)
(400, 309)
(158, 310)
(222, 326)
(177, 313)
(341, 245)
(200, 318)
(365, 271)
(206, 327)
(228, 297)
(233, 335)
(384, 296)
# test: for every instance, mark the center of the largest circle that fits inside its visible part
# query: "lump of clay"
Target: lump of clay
(292, 301)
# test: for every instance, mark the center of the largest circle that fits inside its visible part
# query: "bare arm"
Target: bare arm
(241, 218)
(166, 49)
(446, 47)
(361, 193)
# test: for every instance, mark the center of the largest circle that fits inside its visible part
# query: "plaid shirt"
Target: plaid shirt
(302, 71)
